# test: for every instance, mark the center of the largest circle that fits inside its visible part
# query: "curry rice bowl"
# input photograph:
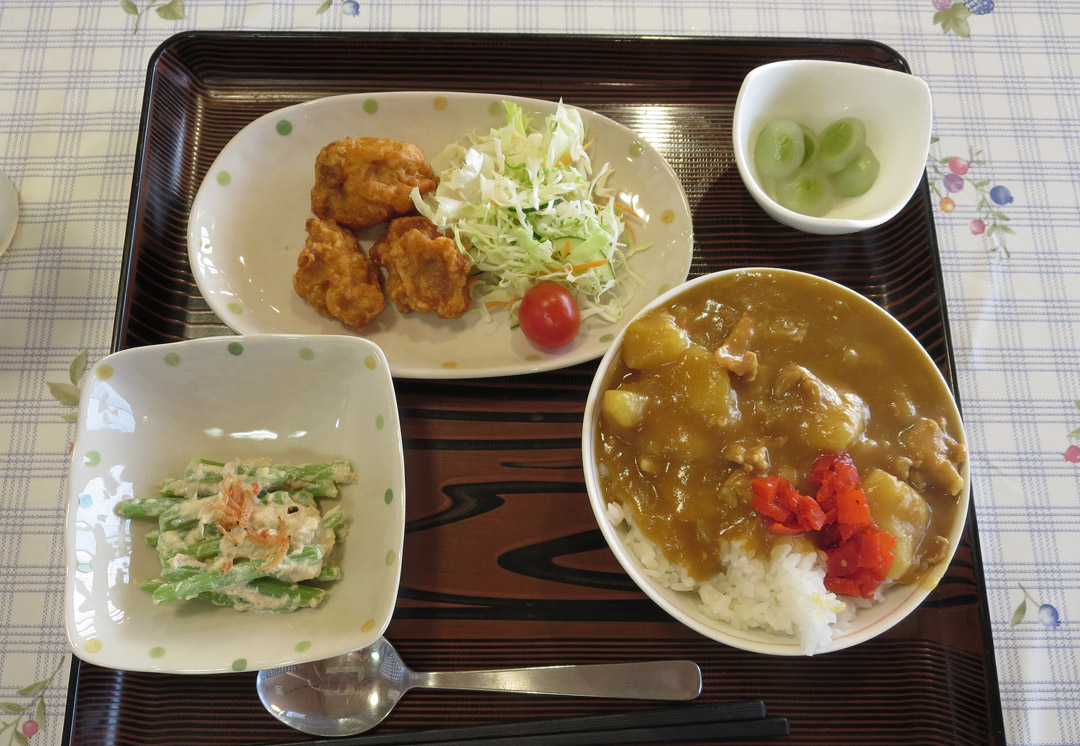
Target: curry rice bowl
(776, 461)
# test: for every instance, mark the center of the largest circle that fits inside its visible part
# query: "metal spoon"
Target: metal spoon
(352, 693)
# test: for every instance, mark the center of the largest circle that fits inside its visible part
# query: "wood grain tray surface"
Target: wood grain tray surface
(503, 563)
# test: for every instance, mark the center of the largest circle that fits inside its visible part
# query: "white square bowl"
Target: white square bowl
(145, 412)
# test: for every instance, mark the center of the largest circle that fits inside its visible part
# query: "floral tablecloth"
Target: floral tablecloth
(1004, 170)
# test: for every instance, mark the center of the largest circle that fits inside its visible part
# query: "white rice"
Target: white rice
(785, 594)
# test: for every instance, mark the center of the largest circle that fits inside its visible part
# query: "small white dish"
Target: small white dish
(246, 229)
(9, 211)
(895, 107)
(898, 600)
(145, 412)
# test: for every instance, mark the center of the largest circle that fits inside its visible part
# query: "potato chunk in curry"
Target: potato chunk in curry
(825, 418)
(764, 372)
(624, 407)
(654, 341)
(900, 510)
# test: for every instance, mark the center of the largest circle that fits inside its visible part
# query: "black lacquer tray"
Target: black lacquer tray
(503, 563)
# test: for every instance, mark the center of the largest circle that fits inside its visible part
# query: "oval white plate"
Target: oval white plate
(247, 228)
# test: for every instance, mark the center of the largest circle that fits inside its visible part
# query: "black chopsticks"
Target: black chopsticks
(716, 722)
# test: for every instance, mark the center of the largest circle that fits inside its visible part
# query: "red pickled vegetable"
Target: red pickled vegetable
(783, 528)
(811, 515)
(765, 498)
(876, 551)
(842, 586)
(843, 560)
(790, 512)
(858, 566)
(851, 507)
(852, 512)
(833, 472)
(859, 554)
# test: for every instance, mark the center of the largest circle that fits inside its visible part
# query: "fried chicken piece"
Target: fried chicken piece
(425, 272)
(334, 276)
(362, 182)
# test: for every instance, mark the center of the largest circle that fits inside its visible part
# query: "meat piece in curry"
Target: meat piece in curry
(763, 372)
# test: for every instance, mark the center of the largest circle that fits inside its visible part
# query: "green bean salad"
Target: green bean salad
(247, 534)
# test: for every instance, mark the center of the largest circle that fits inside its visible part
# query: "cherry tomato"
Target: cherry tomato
(549, 315)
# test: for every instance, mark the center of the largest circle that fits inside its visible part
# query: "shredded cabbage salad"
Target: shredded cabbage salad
(523, 204)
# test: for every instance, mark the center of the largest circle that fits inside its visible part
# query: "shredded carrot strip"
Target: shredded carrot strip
(566, 248)
(495, 304)
(589, 265)
(566, 161)
(626, 208)
(588, 145)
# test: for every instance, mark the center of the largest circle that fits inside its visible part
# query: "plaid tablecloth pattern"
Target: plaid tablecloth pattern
(1005, 172)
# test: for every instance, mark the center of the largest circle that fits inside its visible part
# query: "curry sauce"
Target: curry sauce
(761, 372)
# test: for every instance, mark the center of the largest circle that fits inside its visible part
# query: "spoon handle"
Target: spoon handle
(669, 680)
